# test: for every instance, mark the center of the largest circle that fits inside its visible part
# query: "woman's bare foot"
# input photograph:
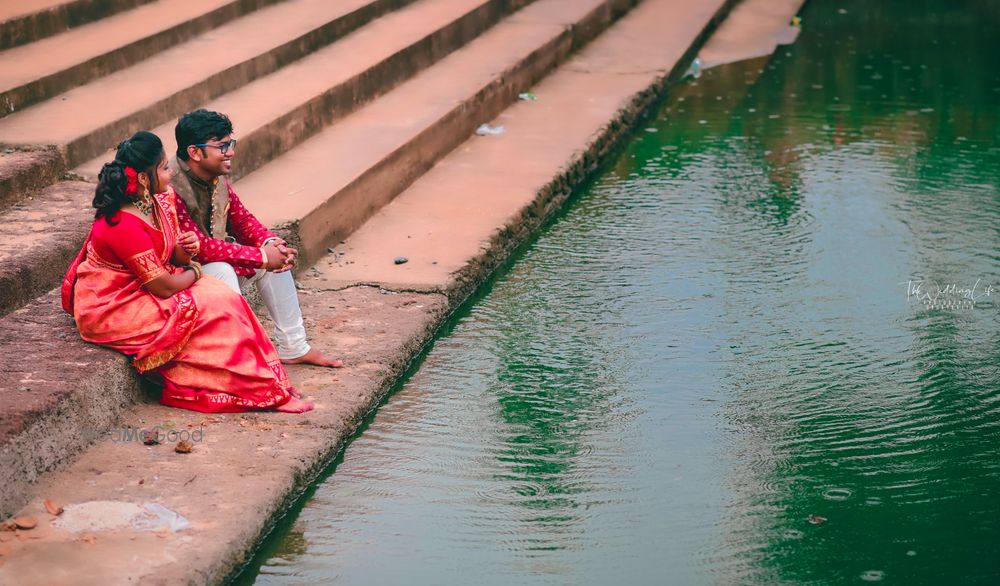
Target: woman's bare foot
(316, 358)
(295, 405)
(295, 392)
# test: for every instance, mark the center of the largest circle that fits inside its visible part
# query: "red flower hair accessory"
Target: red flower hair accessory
(132, 187)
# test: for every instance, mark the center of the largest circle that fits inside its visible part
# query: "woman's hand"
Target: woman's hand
(190, 243)
(186, 248)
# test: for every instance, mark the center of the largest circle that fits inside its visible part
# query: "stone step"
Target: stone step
(326, 187)
(42, 69)
(582, 111)
(87, 120)
(277, 112)
(26, 22)
(22, 173)
(312, 91)
(58, 393)
(41, 235)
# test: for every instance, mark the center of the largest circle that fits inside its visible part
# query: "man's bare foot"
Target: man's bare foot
(295, 405)
(316, 358)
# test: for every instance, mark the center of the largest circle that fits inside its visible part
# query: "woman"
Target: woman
(134, 288)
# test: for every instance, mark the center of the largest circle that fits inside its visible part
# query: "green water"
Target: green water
(719, 341)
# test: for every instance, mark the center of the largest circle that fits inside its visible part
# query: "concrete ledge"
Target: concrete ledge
(40, 237)
(323, 203)
(192, 81)
(334, 81)
(24, 172)
(32, 24)
(59, 394)
(55, 82)
(451, 238)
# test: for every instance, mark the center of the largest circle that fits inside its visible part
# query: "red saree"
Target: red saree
(205, 342)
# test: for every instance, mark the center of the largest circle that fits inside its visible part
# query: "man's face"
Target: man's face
(214, 157)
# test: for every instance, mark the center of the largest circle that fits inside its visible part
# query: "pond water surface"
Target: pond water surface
(760, 348)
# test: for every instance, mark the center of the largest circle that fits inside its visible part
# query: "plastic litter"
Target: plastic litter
(400, 260)
(487, 130)
(695, 69)
(527, 96)
(165, 519)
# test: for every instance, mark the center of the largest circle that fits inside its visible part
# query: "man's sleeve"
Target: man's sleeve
(214, 250)
(244, 226)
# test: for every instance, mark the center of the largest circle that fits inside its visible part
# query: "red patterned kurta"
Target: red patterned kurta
(205, 342)
(249, 233)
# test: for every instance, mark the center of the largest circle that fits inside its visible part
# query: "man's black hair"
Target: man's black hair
(199, 127)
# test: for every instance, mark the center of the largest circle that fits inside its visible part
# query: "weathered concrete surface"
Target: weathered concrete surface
(40, 70)
(41, 236)
(26, 22)
(24, 172)
(56, 389)
(377, 333)
(329, 185)
(179, 79)
(460, 219)
(277, 112)
(247, 468)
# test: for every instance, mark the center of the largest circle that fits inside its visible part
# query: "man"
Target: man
(235, 247)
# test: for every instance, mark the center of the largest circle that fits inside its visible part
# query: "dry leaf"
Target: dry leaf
(25, 522)
(149, 439)
(142, 480)
(183, 447)
(53, 508)
(8, 525)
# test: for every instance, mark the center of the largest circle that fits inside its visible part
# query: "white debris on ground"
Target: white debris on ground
(96, 516)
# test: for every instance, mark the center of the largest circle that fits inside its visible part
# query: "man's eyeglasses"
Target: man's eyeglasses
(224, 147)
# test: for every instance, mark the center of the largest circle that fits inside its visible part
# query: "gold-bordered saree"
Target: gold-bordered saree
(204, 342)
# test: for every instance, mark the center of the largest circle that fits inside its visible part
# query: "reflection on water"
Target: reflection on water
(716, 366)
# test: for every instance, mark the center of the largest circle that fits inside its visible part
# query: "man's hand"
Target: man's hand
(275, 259)
(289, 253)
